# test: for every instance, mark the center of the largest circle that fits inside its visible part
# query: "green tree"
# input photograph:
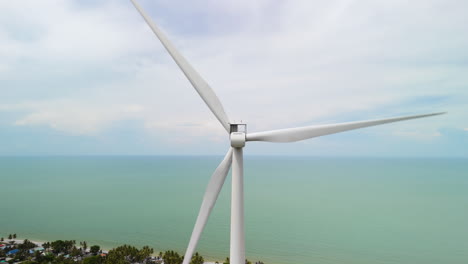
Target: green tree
(144, 253)
(127, 254)
(63, 260)
(46, 245)
(197, 259)
(10, 236)
(75, 252)
(95, 249)
(172, 257)
(14, 236)
(93, 260)
(48, 258)
(61, 246)
(1, 239)
(38, 256)
(26, 245)
(22, 255)
(84, 245)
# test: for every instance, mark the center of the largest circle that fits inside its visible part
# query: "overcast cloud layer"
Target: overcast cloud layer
(89, 77)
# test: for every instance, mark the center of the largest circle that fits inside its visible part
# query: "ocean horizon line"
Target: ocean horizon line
(222, 155)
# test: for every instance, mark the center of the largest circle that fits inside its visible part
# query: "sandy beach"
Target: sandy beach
(19, 241)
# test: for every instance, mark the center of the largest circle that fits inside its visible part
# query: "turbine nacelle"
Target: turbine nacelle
(238, 135)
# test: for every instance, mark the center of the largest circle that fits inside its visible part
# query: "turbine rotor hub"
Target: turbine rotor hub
(237, 135)
(237, 139)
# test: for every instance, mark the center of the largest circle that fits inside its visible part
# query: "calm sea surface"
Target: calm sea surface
(298, 210)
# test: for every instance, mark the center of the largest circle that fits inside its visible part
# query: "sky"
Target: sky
(90, 78)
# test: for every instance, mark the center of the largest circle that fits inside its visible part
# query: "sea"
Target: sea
(298, 210)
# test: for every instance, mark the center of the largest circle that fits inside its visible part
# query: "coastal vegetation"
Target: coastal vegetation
(66, 252)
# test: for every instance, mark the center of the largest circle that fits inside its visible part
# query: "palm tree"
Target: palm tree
(14, 236)
(46, 246)
(84, 245)
(197, 259)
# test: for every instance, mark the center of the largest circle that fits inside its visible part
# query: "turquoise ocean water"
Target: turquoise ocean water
(298, 210)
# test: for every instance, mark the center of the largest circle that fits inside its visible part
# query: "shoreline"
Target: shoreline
(104, 249)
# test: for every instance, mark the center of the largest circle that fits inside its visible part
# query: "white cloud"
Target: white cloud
(305, 61)
(71, 117)
(60, 31)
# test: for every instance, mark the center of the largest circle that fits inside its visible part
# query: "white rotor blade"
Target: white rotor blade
(301, 133)
(202, 87)
(209, 200)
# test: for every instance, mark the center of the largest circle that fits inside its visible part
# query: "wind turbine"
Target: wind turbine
(234, 157)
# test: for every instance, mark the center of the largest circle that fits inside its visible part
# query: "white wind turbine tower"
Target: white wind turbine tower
(234, 156)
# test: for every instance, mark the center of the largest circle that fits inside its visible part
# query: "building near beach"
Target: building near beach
(14, 251)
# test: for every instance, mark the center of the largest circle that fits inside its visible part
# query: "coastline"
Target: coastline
(104, 249)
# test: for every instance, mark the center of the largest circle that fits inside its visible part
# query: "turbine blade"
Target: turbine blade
(209, 200)
(200, 85)
(301, 133)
